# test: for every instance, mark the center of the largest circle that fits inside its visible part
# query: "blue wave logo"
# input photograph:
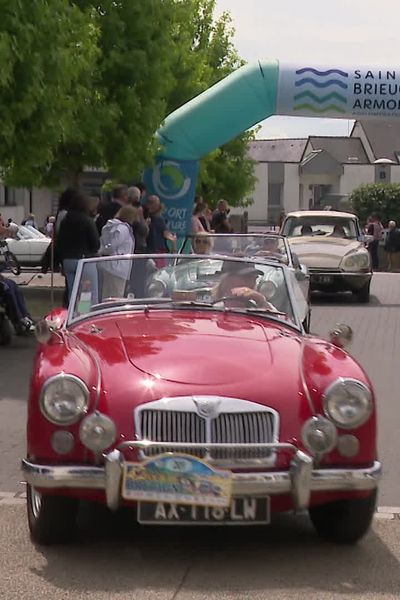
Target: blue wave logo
(314, 95)
(169, 181)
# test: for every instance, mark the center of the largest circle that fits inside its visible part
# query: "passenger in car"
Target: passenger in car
(306, 230)
(202, 243)
(338, 231)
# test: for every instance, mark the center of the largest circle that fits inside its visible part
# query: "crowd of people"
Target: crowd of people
(86, 227)
(205, 220)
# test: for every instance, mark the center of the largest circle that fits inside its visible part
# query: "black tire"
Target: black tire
(344, 521)
(12, 262)
(51, 519)
(362, 294)
(6, 331)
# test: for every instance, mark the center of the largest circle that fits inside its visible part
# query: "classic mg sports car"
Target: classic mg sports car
(207, 404)
(332, 246)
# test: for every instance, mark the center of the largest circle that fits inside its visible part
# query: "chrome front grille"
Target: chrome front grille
(242, 428)
(159, 421)
(172, 426)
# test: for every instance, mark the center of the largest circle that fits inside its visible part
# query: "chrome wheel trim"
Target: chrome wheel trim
(36, 502)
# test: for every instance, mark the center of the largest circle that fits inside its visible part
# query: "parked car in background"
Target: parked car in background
(332, 246)
(190, 409)
(28, 245)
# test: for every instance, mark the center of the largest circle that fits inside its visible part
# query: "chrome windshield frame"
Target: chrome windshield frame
(71, 320)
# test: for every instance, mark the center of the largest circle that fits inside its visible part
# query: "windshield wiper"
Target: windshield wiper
(264, 309)
(191, 303)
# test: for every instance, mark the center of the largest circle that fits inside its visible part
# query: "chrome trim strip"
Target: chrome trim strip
(299, 481)
(207, 446)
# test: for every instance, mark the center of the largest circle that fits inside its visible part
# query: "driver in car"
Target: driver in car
(237, 285)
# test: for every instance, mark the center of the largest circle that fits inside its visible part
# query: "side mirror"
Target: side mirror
(341, 336)
(45, 330)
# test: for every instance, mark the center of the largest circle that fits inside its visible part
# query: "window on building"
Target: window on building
(274, 202)
(9, 197)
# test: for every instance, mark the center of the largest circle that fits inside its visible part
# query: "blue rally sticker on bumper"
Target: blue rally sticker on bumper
(177, 478)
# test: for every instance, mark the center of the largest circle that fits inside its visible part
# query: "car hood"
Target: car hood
(178, 349)
(323, 252)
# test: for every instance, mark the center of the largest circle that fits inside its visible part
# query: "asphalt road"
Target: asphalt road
(116, 559)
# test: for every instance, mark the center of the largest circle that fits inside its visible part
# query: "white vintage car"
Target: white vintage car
(28, 245)
(332, 247)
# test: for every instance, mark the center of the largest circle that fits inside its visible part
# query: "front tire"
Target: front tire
(51, 519)
(344, 521)
(363, 293)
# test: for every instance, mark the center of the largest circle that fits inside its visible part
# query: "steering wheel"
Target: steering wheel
(248, 301)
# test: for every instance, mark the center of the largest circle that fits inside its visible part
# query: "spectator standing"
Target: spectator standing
(220, 220)
(117, 238)
(110, 208)
(30, 221)
(77, 238)
(375, 228)
(139, 226)
(198, 212)
(158, 231)
(50, 226)
(392, 247)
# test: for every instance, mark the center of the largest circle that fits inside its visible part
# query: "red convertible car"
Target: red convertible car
(204, 404)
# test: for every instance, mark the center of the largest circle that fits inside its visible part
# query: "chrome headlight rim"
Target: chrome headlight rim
(157, 289)
(317, 422)
(80, 414)
(357, 267)
(342, 381)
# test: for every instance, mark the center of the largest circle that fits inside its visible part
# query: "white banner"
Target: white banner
(339, 92)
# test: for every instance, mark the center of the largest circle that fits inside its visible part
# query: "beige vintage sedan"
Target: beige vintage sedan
(331, 245)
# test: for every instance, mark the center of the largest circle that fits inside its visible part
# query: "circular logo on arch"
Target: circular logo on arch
(170, 181)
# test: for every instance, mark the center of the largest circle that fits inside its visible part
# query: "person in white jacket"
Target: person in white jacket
(117, 238)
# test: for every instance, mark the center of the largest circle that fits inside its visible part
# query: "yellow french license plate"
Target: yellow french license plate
(178, 479)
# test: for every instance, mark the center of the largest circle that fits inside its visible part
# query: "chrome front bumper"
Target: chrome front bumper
(300, 480)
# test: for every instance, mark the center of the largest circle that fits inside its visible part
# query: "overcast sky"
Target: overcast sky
(334, 32)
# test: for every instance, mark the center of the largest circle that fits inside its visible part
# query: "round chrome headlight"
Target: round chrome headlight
(357, 261)
(348, 403)
(97, 432)
(319, 435)
(64, 399)
(268, 289)
(157, 289)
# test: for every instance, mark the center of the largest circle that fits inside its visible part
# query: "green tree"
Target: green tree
(204, 55)
(124, 102)
(381, 198)
(46, 47)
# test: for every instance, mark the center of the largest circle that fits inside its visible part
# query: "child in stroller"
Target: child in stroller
(13, 311)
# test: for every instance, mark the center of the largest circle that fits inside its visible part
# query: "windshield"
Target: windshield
(110, 284)
(270, 247)
(28, 233)
(329, 226)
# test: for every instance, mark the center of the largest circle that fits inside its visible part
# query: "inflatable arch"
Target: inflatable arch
(248, 96)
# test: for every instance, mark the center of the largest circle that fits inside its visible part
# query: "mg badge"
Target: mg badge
(207, 407)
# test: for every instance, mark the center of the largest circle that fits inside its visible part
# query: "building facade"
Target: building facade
(295, 174)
